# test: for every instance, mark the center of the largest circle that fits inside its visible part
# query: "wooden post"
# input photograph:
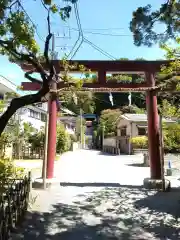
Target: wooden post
(45, 152)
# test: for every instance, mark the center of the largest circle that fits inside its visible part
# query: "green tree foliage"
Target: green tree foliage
(108, 121)
(132, 109)
(8, 172)
(168, 110)
(169, 77)
(144, 20)
(172, 138)
(17, 41)
(5, 142)
(37, 139)
(77, 101)
(63, 141)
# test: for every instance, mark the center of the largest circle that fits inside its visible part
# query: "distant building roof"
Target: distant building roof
(140, 117)
(6, 85)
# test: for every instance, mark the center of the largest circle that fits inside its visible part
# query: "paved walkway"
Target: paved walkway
(101, 198)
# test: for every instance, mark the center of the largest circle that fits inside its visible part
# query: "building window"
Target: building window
(39, 105)
(35, 114)
(123, 131)
(43, 117)
(142, 131)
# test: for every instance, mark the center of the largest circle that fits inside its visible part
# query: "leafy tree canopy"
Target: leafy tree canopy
(108, 121)
(144, 20)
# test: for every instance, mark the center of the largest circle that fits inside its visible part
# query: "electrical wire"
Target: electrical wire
(104, 34)
(80, 36)
(100, 49)
(83, 39)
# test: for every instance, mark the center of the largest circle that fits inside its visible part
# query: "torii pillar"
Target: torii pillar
(153, 129)
(51, 149)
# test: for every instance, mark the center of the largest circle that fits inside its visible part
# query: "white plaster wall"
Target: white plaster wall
(134, 130)
(123, 123)
(70, 130)
(111, 142)
(36, 123)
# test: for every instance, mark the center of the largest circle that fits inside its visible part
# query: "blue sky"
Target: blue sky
(113, 15)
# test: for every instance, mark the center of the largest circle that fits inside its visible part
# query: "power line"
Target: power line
(80, 36)
(100, 49)
(102, 29)
(103, 34)
(91, 31)
(83, 39)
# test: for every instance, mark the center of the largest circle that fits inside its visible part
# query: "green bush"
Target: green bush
(63, 142)
(172, 138)
(5, 141)
(171, 134)
(9, 172)
(140, 142)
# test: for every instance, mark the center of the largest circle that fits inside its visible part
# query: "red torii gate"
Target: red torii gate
(149, 68)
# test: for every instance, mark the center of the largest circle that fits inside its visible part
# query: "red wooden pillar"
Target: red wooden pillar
(153, 129)
(51, 151)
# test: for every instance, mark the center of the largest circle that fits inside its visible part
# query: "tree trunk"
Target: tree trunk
(17, 103)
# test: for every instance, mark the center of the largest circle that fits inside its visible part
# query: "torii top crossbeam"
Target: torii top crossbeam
(108, 66)
(102, 68)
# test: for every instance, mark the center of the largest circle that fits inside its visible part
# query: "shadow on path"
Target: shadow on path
(125, 212)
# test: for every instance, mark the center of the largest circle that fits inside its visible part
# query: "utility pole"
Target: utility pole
(45, 151)
(161, 151)
(81, 130)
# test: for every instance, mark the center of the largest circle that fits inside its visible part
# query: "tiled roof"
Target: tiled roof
(140, 117)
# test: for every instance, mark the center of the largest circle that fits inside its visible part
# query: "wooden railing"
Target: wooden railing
(13, 204)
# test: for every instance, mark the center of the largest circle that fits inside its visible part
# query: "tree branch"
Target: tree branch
(29, 58)
(20, 102)
(32, 79)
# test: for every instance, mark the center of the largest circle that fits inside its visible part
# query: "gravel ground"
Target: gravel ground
(100, 197)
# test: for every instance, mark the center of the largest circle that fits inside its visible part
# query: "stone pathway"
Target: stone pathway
(124, 212)
(101, 198)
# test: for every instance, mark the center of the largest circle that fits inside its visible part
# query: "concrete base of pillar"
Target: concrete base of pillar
(156, 184)
(38, 183)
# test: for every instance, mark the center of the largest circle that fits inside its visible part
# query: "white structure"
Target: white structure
(69, 123)
(6, 86)
(132, 125)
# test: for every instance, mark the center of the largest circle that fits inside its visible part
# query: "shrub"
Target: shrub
(5, 141)
(172, 138)
(140, 142)
(9, 172)
(63, 142)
